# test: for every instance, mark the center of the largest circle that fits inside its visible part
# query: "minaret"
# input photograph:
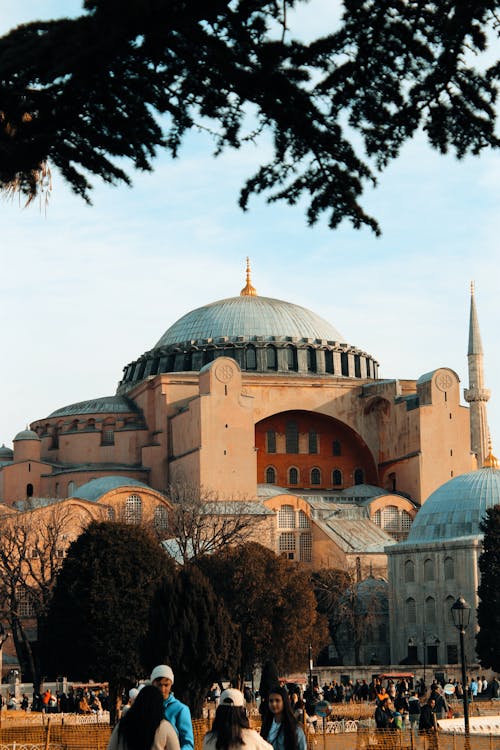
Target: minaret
(476, 394)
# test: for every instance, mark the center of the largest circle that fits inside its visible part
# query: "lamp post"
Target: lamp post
(460, 612)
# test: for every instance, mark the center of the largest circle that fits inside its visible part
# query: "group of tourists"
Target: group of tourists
(156, 720)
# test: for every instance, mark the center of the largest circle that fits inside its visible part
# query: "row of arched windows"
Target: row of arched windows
(430, 610)
(314, 477)
(429, 570)
(292, 441)
(392, 519)
(289, 518)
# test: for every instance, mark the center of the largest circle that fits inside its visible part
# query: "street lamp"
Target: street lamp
(460, 612)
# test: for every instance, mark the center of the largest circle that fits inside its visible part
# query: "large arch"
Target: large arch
(309, 441)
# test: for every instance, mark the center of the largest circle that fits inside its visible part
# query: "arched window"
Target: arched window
(286, 517)
(25, 603)
(305, 551)
(304, 521)
(108, 432)
(344, 364)
(448, 602)
(391, 518)
(291, 358)
(133, 509)
(359, 476)
(336, 448)
(411, 611)
(161, 518)
(449, 569)
(357, 366)
(29, 490)
(311, 359)
(250, 358)
(430, 610)
(315, 476)
(271, 441)
(71, 488)
(377, 518)
(409, 571)
(73, 427)
(313, 441)
(293, 475)
(272, 360)
(336, 477)
(329, 361)
(292, 437)
(428, 570)
(90, 424)
(270, 475)
(54, 443)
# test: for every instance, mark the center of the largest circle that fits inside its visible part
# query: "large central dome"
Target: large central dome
(261, 334)
(249, 317)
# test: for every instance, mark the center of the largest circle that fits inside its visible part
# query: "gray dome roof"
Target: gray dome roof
(26, 435)
(456, 508)
(248, 317)
(104, 405)
(96, 488)
(6, 453)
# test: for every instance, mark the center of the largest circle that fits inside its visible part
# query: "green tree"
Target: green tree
(488, 611)
(191, 630)
(271, 601)
(82, 93)
(98, 617)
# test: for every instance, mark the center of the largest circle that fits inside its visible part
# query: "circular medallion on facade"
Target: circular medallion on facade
(224, 373)
(443, 381)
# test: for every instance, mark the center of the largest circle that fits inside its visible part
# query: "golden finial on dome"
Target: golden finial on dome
(248, 290)
(491, 461)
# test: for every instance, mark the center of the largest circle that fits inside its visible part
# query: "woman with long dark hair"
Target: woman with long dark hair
(230, 728)
(279, 725)
(144, 727)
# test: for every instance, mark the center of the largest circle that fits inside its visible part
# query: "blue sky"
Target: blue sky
(85, 290)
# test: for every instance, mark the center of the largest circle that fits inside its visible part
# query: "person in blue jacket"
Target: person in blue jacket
(176, 712)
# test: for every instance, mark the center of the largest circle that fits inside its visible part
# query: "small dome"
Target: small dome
(26, 435)
(96, 488)
(6, 454)
(248, 316)
(457, 508)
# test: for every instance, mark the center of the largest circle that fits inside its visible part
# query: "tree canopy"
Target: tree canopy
(99, 614)
(488, 611)
(126, 79)
(271, 601)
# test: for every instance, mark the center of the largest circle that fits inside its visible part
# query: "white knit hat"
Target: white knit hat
(162, 670)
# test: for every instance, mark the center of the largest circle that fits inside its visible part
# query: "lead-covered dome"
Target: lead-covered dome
(457, 508)
(261, 334)
(250, 317)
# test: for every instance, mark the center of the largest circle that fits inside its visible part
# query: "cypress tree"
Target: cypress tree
(488, 611)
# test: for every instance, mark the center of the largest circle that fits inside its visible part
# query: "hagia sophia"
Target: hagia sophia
(259, 401)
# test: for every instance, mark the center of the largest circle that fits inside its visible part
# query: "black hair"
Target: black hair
(289, 722)
(227, 726)
(138, 727)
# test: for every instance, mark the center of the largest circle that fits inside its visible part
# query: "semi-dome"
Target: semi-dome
(261, 334)
(248, 317)
(457, 508)
(96, 488)
(104, 405)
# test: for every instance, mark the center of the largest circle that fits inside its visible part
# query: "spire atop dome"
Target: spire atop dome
(248, 290)
(491, 461)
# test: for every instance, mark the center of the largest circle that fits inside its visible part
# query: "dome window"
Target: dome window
(271, 357)
(293, 476)
(357, 366)
(133, 509)
(344, 364)
(250, 358)
(336, 477)
(291, 358)
(311, 359)
(329, 366)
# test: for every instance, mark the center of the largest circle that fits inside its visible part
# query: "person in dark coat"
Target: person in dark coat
(383, 715)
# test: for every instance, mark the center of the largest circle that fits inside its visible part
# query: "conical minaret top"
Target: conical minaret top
(248, 290)
(476, 394)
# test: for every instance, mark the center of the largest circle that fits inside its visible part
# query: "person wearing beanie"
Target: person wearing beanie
(176, 712)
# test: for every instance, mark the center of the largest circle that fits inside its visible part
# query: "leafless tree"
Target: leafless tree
(200, 523)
